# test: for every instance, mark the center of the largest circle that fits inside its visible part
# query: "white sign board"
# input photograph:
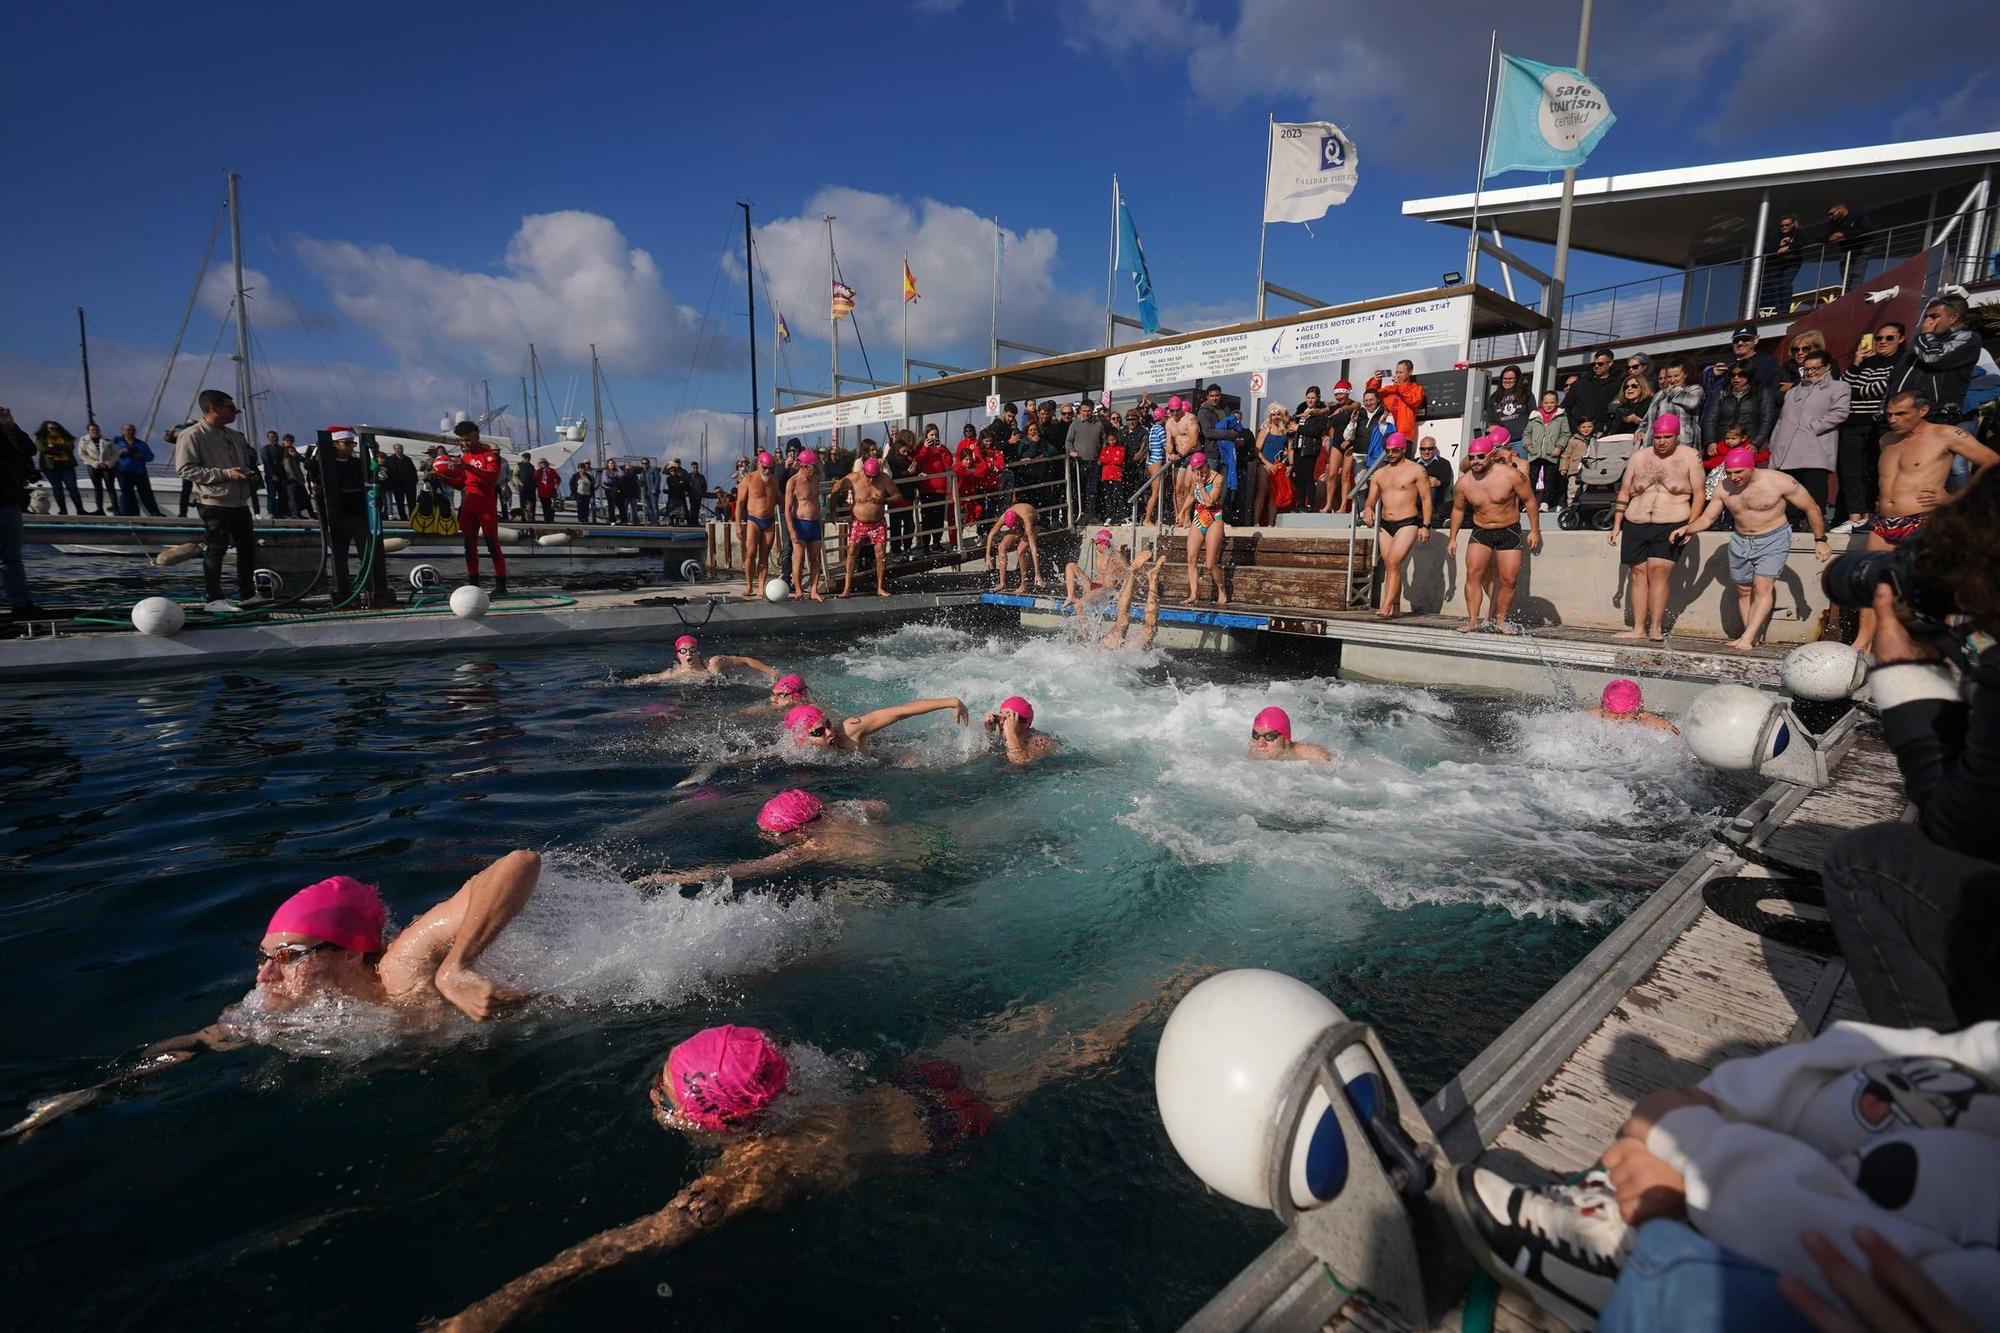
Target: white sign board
(852, 412)
(1257, 381)
(992, 404)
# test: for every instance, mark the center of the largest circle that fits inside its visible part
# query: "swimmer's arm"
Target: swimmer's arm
(652, 678)
(870, 723)
(1704, 519)
(1973, 452)
(160, 1055)
(1018, 750)
(1424, 501)
(442, 945)
(1526, 495)
(723, 662)
(992, 534)
(1457, 517)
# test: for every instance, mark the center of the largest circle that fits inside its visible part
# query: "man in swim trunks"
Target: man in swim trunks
(1915, 466)
(1121, 621)
(1663, 491)
(1183, 443)
(871, 495)
(1622, 701)
(476, 471)
(757, 502)
(802, 521)
(1495, 497)
(1399, 504)
(1755, 498)
(1205, 528)
(808, 725)
(1271, 738)
(1014, 723)
(1016, 529)
(728, 1084)
(1080, 589)
(689, 664)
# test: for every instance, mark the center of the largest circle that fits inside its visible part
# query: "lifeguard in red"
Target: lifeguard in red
(476, 471)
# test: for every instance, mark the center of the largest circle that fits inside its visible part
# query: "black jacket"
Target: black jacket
(343, 484)
(1756, 411)
(1949, 754)
(1590, 398)
(17, 465)
(1939, 366)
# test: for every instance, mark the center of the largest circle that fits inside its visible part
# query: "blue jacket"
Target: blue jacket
(133, 457)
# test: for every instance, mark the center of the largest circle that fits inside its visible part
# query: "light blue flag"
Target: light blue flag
(1547, 118)
(1132, 259)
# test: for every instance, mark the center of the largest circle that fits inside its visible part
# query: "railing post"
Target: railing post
(1069, 489)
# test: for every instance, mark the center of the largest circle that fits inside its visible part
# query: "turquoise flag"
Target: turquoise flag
(1547, 118)
(1132, 259)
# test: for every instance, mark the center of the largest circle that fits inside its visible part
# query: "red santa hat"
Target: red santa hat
(340, 432)
(1342, 386)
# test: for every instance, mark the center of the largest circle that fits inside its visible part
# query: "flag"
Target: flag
(784, 329)
(843, 299)
(1546, 118)
(1312, 169)
(1132, 259)
(910, 292)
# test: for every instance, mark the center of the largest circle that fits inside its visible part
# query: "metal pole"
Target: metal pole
(832, 321)
(83, 341)
(535, 389)
(1757, 257)
(525, 436)
(1111, 268)
(1264, 222)
(597, 407)
(750, 301)
(249, 403)
(993, 352)
(1479, 180)
(906, 326)
(1561, 275)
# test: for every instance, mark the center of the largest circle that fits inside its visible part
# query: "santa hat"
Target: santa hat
(1342, 386)
(341, 432)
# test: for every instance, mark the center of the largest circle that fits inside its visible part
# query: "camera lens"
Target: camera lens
(1850, 580)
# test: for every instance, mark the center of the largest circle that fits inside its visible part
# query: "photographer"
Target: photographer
(1916, 907)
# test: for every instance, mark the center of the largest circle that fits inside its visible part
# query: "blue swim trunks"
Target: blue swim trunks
(808, 529)
(1761, 556)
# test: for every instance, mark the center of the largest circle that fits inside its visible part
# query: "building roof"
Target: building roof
(1688, 214)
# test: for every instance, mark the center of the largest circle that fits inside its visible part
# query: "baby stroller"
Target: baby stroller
(1597, 478)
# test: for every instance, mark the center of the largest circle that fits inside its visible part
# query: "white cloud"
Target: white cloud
(269, 308)
(569, 279)
(1966, 111)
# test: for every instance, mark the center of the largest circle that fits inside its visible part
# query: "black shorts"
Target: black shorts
(1498, 539)
(1641, 542)
(1391, 526)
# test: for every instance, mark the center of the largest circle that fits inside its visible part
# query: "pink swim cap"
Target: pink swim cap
(790, 810)
(1010, 519)
(1273, 719)
(1103, 537)
(1622, 697)
(794, 685)
(1175, 403)
(808, 457)
(1481, 444)
(1741, 456)
(1159, 414)
(1197, 460)
(1667, 423)
(686, 641)
(870, 466)
(1396, 440)
(764, 458)
(803, 718)
(1020, 708)
(341, 910)
(724, 1076)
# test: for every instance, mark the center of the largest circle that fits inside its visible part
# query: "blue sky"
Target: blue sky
(427, 186)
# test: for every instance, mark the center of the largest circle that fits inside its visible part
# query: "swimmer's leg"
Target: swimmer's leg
(1152, 606)
(1006, 1087)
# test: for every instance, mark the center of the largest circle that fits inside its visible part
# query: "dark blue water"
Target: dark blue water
(1461, 858)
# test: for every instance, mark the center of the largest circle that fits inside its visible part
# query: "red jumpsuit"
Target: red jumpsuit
(477, 473)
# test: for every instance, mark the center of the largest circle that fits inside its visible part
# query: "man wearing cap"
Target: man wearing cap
(1399, 507)
(1494, 495)
(757, 506)
(343, 490)
(1271, 738)
(220, 466)
(272, 458)
(1764, 367)
(476, 471)
(1589, 399)
(1014, 723)
(870, 493)
(1662, 491)
(803, 521)
(1756, 498)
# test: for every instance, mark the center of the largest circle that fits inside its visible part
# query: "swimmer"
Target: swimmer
(757, 502)
(806, 526)
(1080, 589)
(1204, 537)
(1622, 702)
(1271, 738)
(725, 1084)
(871, 494)
(809, 726)
(328, 939)
(848, 834)
(1494, 495)
(1016, 529)
(787, 693)
(689, 664)
(1014, 723)
(1121, 622)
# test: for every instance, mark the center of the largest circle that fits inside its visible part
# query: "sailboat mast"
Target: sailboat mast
(245, 395)
(597, 407)
(83, 342)
(750, 304)
(832, 319)
(535, 389)
(527, 437)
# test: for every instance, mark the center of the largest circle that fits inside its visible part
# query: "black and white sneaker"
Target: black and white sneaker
(1562, 1246)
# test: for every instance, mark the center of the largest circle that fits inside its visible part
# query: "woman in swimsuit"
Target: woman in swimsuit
(728, 1085)
(1205, 531)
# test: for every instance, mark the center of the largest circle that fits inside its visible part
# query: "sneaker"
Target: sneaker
(1858, 525)
(500, 587)
(1562, 1246)
(221, 606)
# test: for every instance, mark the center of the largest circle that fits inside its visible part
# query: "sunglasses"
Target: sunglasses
(822, 731)
(1256, 735)
(684, 652)
(287, 954)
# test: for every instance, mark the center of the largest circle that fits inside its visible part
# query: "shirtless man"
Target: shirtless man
(1399, 505)
(1122, 620)
(1183, 442)
(1622, 701)
(757, 502)
(1080, 589)
(803, 523)
(1495, 495)
(871, 495)
(1014, 723)
(1016, 529)
(810, 726)
(848, 834)
(689, 664)
(1915, 464)
(1663, 491)
(1756, 498)
(1271, 738)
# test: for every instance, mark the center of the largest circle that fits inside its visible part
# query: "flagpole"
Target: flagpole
(1552, 340)
(1111, 268)
(993, 383)
(1264, 223)
(906, 324)
(1479, 181)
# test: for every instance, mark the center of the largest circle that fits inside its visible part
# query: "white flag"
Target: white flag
(1312, 169)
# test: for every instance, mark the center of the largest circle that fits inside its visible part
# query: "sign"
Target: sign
(1198, 358)
(992, 404)
(1367, 335)
(1257, 383)
(851, 412)
(1546, 118)
(1104, 397)
(1312, 168)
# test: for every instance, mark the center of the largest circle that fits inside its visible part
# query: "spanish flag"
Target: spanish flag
(843, 300)
(910, 292)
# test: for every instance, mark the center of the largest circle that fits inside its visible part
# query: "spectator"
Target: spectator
(1590, 398)
(399, 474)
(1861, 433)
(524, 486)
(1744, 401)
(611, 483)
(1804, 441)
(933, 470)
(632, 485)
(1848, 232)
(17, 466)
(1546, 434)
(1806, 340)
(1085, 442)
(221, 465)
(1110, 468)
(1223, 438)
(1638, 363)
(1630, 408)
(583, 490)
(272, 459)
(135, 487)
(1334, 470)
(1365, 440)
(1682, 399)
(669, 482)
(1440, 470)
(1403, 396)
(1271, 465)
(1781, 266)
(1005, 431)
(1311, 420)
(98, 456)
(343, 492)
(298, 494)
(1942, 357)
(1582, 437)
(901, 466)
(548, 487)
(697, 492)
(172, 437)
(1510, 404)
(57, 448)
(1744, 346)
(1056, 422)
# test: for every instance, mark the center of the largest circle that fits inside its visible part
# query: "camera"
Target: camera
(1850, 581)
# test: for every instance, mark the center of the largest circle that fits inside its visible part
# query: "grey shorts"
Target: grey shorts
(1762, 556)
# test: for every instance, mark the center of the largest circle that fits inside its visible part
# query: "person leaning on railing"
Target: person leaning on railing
(933, 463)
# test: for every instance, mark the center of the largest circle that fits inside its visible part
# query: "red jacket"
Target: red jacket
(1111, 461)
(476, 472)
(548, 482)
(934, 458)
(978, 475)
(1404, 402)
